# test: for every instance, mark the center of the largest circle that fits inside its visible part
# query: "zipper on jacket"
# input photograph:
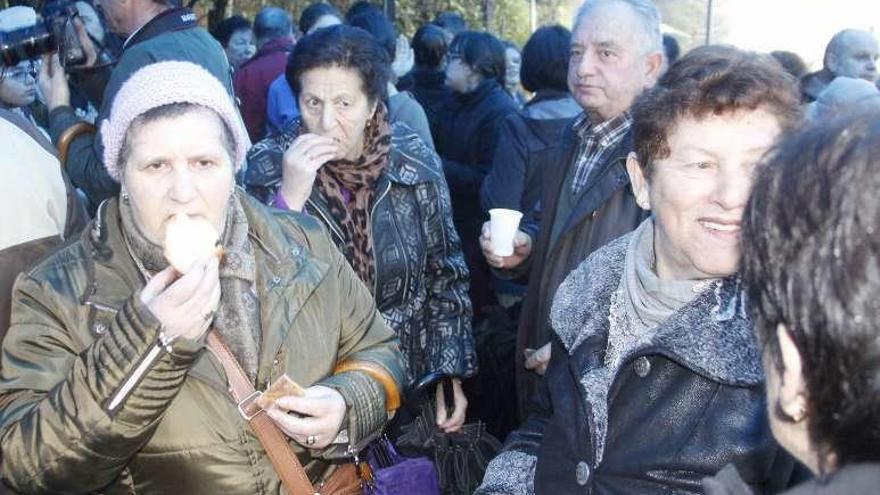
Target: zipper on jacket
(162, 343)
(372, 215)
(330, 224)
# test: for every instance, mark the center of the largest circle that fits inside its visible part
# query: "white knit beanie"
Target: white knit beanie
(164, 83)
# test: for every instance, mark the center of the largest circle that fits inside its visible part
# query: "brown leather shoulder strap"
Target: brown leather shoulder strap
(68, 136)
(284, 460)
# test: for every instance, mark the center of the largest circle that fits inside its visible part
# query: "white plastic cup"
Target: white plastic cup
(503, 224)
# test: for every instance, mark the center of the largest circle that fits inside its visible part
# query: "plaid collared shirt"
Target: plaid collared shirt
(596, 141)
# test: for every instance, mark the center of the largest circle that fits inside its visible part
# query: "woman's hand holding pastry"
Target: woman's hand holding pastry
(184, 304)
(312, 419)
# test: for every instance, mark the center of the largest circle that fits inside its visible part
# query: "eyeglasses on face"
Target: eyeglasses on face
(21, 72)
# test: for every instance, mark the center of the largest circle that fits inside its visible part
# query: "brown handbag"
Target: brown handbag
(347, 478)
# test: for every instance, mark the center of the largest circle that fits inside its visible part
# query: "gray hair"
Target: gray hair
(646, 13)
(272, 23)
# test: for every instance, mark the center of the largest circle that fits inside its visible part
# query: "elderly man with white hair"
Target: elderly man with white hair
(586, 201)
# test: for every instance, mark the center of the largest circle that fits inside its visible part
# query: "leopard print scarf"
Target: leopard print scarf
(359, 178)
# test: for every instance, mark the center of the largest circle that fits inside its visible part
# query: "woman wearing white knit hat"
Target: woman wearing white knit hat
(106, 383)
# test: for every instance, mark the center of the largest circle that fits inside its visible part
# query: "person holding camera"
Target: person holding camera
(39, 208)
(155, 31)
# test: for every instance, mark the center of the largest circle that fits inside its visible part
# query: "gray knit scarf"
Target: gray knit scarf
(648, 299)
(237, 319)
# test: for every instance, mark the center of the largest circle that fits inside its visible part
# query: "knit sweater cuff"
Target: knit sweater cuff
(365, 399)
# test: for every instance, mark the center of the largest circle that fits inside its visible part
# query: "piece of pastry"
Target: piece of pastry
(189, 239)
(282, 387)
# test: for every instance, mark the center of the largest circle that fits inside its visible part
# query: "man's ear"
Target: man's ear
(653, 68)
(831, 62)
(792, 386)
(639, 182)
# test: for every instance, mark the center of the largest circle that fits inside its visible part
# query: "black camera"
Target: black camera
(56, 32)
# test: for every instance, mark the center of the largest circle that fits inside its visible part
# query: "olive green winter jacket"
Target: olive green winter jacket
(79, 332)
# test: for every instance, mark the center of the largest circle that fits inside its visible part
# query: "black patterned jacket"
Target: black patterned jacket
(421, 278)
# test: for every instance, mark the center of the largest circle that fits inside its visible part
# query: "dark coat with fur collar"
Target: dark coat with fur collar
(679, 409)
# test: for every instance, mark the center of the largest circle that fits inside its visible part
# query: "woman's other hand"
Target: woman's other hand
(184, 305)
(538, 360)
(316, 419)
(450, 421)
(301, 162)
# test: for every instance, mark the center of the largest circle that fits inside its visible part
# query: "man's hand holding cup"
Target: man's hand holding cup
(504, 245)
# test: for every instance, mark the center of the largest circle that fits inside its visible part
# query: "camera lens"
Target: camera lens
(24, 44)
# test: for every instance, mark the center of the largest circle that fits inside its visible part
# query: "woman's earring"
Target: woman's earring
(124, 196)
(799, 415)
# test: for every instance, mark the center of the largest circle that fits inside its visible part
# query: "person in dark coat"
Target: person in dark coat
(810, 262)
(529, 140)
(655, 377)
(427, 80)
(274, 33)
(379, 190)
(467, 138)
(586, 200)
(402, 106)
(527, 149)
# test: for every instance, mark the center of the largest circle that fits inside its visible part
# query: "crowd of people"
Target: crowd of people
(688, 305)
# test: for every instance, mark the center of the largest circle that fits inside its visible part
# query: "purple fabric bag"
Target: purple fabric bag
(394, 474)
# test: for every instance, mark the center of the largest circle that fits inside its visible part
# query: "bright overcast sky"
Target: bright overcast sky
(801, 26)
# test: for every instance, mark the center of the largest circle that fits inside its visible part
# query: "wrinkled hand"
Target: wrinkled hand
(522, 249)
(319, 413)
(537, 360)
(53, 82)
(450, 421)
(404, 57)
(300, 165)
(185, 306)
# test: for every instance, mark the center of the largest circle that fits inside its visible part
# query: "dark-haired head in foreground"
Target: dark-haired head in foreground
(811, 260)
